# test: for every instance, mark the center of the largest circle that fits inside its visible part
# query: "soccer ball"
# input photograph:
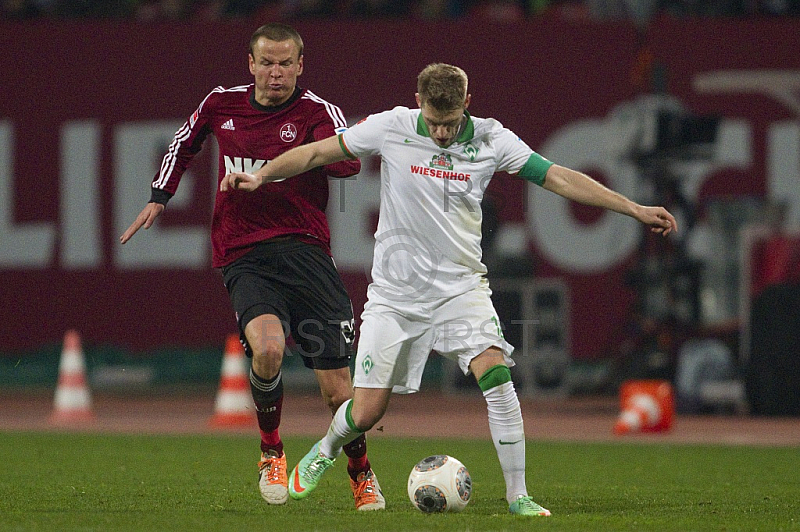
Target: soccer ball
(439, 483)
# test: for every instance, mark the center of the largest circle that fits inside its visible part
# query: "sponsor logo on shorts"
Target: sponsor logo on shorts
(348, 330)
(367, 364)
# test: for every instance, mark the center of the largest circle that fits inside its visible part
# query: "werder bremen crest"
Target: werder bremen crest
(442, 161)
(471, 151)
(367, 364)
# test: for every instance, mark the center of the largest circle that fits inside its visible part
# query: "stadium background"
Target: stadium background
(88, 108)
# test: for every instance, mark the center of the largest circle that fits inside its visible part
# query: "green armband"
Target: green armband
(535, 169)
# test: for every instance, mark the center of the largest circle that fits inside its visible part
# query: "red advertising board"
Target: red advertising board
(87, 110)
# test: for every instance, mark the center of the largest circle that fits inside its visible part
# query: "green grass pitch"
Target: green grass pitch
(66, 481)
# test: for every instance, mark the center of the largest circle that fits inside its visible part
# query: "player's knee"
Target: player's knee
(267, 348)
(267, 357)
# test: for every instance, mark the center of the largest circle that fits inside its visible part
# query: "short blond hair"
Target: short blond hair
(276, 32)
(442, 86)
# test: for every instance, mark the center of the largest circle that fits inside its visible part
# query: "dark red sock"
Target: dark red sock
(269, 419)
(357, 461)
(271, 441)
(268, 399)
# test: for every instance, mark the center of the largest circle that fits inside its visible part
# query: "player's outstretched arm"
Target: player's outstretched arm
(288, 164)
(145, 219)
(579, 187)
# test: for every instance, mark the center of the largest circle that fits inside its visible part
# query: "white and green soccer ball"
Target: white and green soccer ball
(439, 483)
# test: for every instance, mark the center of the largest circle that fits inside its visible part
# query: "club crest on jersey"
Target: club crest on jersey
(288, 132)
(470, 151)
(442, 161)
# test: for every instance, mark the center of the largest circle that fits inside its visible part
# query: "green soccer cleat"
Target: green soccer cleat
(525, 506)
(306, 474)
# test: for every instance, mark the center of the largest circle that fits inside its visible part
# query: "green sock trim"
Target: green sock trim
(348, 416)
(494, 376)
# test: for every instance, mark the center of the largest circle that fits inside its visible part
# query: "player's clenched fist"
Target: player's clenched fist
(240, 181)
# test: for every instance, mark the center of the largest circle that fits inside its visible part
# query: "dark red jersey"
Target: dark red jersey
(249, 135)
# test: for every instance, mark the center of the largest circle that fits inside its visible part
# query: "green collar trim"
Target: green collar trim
(465, 136)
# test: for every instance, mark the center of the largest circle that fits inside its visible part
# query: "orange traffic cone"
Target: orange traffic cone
(646, 405)
(72, 400)
(234, 405)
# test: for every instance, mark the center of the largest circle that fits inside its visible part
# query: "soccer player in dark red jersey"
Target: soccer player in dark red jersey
(274, 246)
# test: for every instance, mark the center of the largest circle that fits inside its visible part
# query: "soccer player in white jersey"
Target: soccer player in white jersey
(429, 291)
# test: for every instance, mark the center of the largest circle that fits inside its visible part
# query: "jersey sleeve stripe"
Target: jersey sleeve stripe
(171, 157)
(168, 163)
(217, 89)
(333, 111)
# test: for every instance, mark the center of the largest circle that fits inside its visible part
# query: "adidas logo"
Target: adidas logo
(228, 125)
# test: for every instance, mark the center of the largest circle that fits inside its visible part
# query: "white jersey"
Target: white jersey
(427, 244)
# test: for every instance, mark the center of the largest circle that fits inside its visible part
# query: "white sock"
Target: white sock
(508, 435)
(340, 432)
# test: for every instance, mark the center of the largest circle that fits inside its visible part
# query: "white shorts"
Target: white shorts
(397, 337)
